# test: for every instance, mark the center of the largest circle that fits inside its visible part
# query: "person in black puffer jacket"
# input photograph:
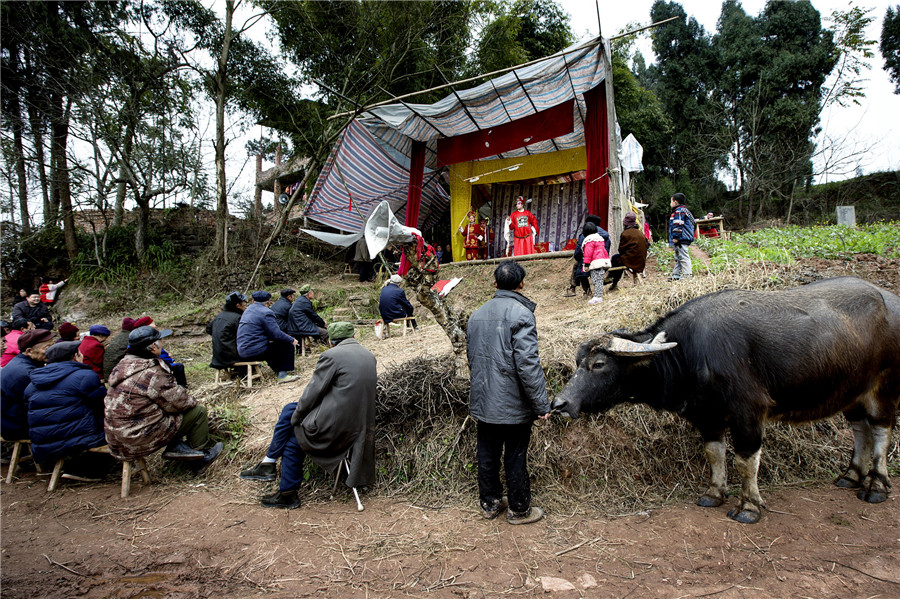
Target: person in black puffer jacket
(223, 330)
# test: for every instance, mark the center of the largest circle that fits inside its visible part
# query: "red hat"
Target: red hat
(68, 330)
(128, 324)
(33, 337)
(143, 321)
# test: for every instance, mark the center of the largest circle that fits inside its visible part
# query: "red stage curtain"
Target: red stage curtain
(540, 126)
(596, 141)
(414, 193)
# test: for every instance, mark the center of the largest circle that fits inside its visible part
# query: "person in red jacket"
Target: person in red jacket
(93, 346)
(524, 226)
(472, 236)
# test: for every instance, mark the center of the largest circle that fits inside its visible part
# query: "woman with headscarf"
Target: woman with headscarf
(632, 251)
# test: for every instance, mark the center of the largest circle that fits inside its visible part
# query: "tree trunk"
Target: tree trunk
(257, 193)
(19, 150)
(60, 130)
(125, 160)
(37, 136)
(221, 255)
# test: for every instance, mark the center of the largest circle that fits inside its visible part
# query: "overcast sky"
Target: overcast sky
(870, 129)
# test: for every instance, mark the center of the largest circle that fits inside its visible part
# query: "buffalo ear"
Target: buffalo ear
(589, 347)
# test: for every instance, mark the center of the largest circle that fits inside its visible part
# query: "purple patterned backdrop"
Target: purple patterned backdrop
(559, 209)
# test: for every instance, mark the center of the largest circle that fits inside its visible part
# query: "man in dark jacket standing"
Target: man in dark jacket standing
(224, 331)
(282, 307)
(508, 392)
(15, 379)
(335, 414)
(259, 338)
(304, 320)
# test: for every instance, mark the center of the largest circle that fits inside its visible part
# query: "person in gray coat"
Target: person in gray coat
(508, 392)
(335, 414)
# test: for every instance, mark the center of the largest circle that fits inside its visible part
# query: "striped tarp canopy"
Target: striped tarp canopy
(522, 92)
(358, 165)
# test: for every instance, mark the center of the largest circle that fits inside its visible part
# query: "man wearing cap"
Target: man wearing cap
(146, 408)
(282, 307)
(335, 414)
(34, 311)
(259, 338)
(16, 377)
(115, 348)
(304, 320)
(93, 346)
(224, 329)
(65, 408)
(392, 304)
(177, 368)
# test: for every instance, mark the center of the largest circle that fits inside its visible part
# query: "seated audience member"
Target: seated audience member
(16, 378)
(34, 311)
(304, 321)
(21, 296)
(146, 408)
(93, 346)
(224, 331)
(393, 303)
(115, 348)
(632, 254)
(11, 349)
(177, 368)
(260, 339)
(282, 308)
(336, 413)
(67, 332)
(65, 411)
(49, 290)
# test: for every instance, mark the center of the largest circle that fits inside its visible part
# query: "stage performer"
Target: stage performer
(472, 236)
(524, 227)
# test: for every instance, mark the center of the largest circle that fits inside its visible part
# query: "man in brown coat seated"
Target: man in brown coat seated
(146, 409)
(632, 251)
(335, 414)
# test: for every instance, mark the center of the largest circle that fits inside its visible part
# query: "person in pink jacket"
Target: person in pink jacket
(11, 347)
(596, 260)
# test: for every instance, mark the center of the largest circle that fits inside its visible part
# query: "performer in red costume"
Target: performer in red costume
(524, 226)
(472, 234)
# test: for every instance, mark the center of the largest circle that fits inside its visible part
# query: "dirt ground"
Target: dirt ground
(206, 536)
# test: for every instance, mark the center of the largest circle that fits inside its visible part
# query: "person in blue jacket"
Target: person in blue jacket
(681, 235)
(259, 338)
(393, 303)
(65, 408)
(282, 308)
(15, 379)
(304, 320)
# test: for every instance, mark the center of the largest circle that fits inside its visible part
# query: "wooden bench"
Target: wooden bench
(15, 457)
(406, 322)
(129, 467)
(254, 371)
(634, 276)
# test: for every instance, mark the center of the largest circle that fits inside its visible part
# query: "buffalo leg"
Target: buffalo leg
(862, 451)
(717, 492)
(751, 504)
(875, 486)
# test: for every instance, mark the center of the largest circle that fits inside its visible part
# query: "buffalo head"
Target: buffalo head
(603, 376)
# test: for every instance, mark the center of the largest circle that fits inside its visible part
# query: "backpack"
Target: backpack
(685, 231)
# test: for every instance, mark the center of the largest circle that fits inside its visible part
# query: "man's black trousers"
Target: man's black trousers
(509, 443)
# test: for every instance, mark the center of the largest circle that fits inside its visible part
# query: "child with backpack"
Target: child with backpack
(681, 234)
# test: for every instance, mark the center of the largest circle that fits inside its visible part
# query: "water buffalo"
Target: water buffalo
(735, 359)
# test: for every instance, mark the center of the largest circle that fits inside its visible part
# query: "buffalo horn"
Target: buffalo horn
(624, 347)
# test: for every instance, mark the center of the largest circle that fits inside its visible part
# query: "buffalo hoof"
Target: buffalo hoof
(846, 483)
(872, 495)
(710, 501)
(744, 516)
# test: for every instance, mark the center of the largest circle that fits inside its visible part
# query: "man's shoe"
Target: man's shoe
(182, 451)
(569, 292)
(290, 378)
(286, 500)
(492, 511)
(264, 471)
(532, 515)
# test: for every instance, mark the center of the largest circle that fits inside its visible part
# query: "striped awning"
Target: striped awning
(359, 168)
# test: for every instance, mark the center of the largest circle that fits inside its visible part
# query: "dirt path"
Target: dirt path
(207, 537)
(198, 542)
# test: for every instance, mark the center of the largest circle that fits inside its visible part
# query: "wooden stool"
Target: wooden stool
(254, 371)
(15, 457)
(406, 322)
(304, 345)
(129, 467)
